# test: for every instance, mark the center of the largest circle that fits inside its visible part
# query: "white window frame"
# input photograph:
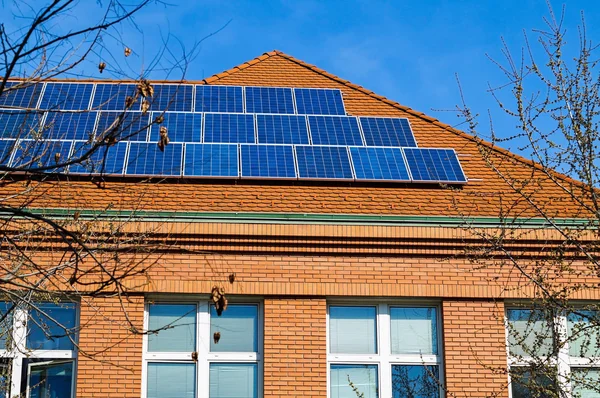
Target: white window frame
(384, 359)
(203, 339)
(19, 353)
(563, 361)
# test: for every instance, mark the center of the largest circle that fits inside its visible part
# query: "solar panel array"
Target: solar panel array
(214, 132)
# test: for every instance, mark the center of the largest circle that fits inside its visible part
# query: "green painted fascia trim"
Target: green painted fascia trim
(309, 218)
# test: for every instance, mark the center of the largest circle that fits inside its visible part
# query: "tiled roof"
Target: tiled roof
(485, 193)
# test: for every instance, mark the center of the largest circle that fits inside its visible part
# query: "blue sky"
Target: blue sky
(405, 50)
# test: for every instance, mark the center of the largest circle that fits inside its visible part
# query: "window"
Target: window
(383, 350)
(550, 351)
(37, 350)
(190, 351)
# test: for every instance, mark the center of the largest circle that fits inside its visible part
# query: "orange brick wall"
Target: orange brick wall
(295, 363)
(474, 349)
(110, 356)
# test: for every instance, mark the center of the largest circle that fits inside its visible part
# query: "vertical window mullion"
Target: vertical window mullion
(19, 336)
(203, 348)
(385, 350)
(563, 361)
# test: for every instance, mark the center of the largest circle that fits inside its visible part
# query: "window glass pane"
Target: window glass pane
(414, 330)
(236, 328)
(353, 330)
(6, 317)
(176, 325)
(533, 383)
(352, 381)
(584, 337)
(4, 378)
(529, 332)
(171, 380)
(51, 326)
(50, 380)
(415, 381)
(228, 380)
(585, 383)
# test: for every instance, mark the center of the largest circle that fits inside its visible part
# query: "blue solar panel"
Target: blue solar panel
(67, 96)
(104, 160)
(380, 131)
(111, 97)
(172, 98)
(20, 124)
(146, 159)
(372, 163)
(20, 95)
(211, 160)
(334, 130)
(268, 161)
(318, 101)
(219, 99)
(427, 164)
(181, 127)
(70, 126)
(132, 126)
(281, 129)
(323, 162)
(6, 149)
(269, 100)
(228, 128)
(32, 155)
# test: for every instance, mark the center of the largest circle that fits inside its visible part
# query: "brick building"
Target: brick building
(335, 287)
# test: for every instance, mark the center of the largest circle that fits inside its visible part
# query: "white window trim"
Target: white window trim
(205, 357)
(19, 353)
(384, 359)
(562, 361)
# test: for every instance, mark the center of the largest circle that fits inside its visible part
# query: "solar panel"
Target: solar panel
(172, 98)
(146, 159)
(268, 161)
(373, 164)
(111, 97)
(334, 130)
(132, 126)
(211, 160)
(20, 95)
(181, 127)
(6, 148)
(323, 162)
(381, 131)
(104, 160)
(70, 126)
(281, 129)
(228, 128)
(31, 155)
(20, 124)
(219, 99)
(319, 101)
(434, 165)
(269, 100)
(67, 96)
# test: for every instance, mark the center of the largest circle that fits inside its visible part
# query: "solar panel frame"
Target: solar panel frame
(139, 149)
(81, 96)
(172, 121)
(72, 126)
(369, 139)
(47, 157)
(7, 149)
(330, 125)
(23, 119)
(301, 110)
(114, 100)
(262, 136)
(250, 103)
(179, 98)
(235, 108)
(252, 166)
(356, 159)
(111, 164)
(417, 173)
(189, 155)
(301, 158)
(211, 136)
(33, 91)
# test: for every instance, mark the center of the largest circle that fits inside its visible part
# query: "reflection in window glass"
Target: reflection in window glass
(51, 326)
(530, 332)
(6, 319)
(176, 326)
(237, 328)
(353, 330)
(585, 382)
(350, 381)
(415, 381)
(414, 330)
(50, 380)
(4, 378)
(171, 380)
(584, 336)
(533, 383)
(233, 380)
